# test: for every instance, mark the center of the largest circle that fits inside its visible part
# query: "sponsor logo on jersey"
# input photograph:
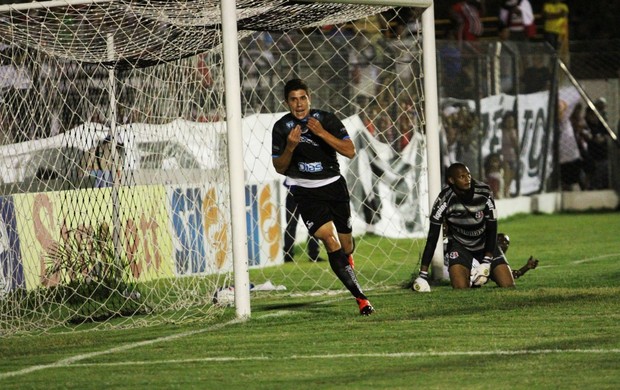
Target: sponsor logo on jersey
(469, 233)
(307, 140)
(311, 167)
(440, 210)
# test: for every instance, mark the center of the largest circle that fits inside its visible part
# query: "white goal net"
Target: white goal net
(115, 198)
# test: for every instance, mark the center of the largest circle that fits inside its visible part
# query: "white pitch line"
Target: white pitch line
(72, 360)
(596, 258)
(395, 355)
(586, 260)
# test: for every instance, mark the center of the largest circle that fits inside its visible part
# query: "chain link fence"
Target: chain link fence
(525, 121)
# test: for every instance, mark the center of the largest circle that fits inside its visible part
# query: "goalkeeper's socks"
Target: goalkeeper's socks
(343, 270)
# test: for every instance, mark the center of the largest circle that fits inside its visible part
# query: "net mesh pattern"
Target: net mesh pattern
(113, 154)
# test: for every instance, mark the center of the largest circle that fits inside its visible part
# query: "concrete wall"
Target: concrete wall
(556, 202)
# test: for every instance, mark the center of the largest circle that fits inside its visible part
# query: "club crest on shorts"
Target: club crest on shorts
(453, 255)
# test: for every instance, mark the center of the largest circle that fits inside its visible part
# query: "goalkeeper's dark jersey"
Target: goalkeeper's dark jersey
(466, 219)
(313, 159)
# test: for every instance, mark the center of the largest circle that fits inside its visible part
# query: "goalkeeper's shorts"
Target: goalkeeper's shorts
(458, 254)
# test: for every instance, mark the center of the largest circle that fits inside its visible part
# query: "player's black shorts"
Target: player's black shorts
(318, 206)
(458, 254)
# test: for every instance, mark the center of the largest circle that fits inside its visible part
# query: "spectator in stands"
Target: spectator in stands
(510, 150)
(257, 63)
(406, 123)
(555, 14)
(456, 82)
(516, 20)
(597, 145)
(365, 56)
(292, 217)
(449, 137)
(568, 150)
(459, 136)
(99, 163)
(386, 130)
(537, 76)
(582, 136)
(494, 175)
(465, 15)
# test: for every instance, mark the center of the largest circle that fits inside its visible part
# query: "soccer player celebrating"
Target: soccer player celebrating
(305, 143)
(467, 208)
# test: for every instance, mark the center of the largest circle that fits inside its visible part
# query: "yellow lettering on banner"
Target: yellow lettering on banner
(43, 223)
(149, 228)
(132, 242)
(50, 232)
(269, 222)
(215, 226)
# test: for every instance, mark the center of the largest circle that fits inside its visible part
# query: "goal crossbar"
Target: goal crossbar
(47, 4)
(386, 3)
(61, 3)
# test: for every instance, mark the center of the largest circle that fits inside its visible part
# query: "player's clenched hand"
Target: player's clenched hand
(294, 137)
(532, 262)
(315, 126)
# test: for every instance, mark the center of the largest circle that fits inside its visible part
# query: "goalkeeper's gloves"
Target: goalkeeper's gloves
(480, 275)
(420, 284)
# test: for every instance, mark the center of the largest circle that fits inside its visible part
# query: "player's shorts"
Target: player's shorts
(458, 254)
(320, 205)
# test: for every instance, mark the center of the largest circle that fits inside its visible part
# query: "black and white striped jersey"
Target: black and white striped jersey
(466, 217)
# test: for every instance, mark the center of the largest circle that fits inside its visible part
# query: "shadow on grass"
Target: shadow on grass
(287, 306)
(473, 302)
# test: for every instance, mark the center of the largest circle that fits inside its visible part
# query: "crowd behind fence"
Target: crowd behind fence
(499, 104)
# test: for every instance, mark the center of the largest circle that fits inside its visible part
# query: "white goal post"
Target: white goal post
(231, 63)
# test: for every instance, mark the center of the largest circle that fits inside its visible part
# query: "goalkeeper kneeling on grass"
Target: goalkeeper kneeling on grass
(503, 242)
(467, 209)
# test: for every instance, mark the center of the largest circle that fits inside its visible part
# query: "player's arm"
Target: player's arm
(420, 284)
(491, 238)
(282, 161)
(490, 229)
(531, 264)
(343, 146)
(431, 243)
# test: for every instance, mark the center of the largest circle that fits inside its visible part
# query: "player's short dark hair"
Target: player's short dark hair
(451, 171)
(294, 85)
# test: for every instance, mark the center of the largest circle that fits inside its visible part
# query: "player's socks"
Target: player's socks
(343, 270)
(351, 262)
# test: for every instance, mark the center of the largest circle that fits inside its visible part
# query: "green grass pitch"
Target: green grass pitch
(559, 329)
